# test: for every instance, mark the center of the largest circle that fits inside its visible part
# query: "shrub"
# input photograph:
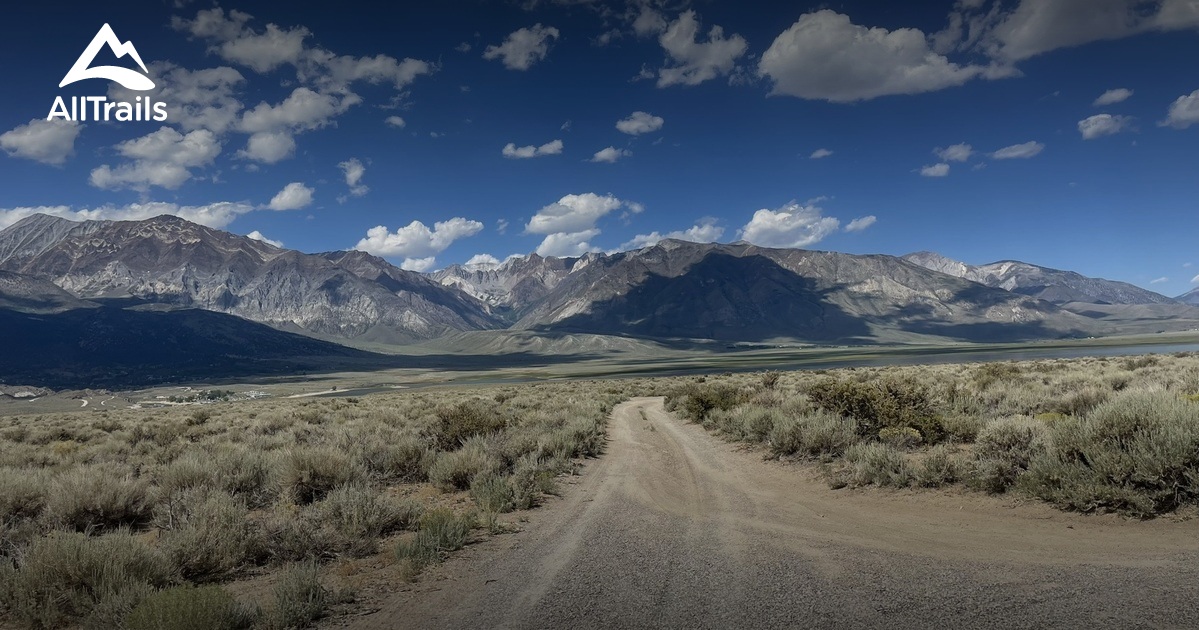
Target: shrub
(22, 494)
(961, 427)
(310, 473)
(817, 434)
(98, 497)
(456, 470)
(1137, 454)
(190, 608)
(867, 463)
(1080, 402)
(300, 598)
(938, 468)
(493, 494)
(770, 379)
(900, 437)
(889, 403)
(441, 531)
(402, 459)
(360, 515)
(206, 534)
(456, 424)
(990, 373)
(697, 400)
(70, 577)
(1003, 451)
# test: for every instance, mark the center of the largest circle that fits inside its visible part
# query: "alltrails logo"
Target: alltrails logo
(100, 108)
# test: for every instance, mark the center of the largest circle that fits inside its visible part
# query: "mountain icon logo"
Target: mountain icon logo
(131, 79)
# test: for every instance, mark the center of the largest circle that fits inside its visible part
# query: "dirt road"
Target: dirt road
(674, 528)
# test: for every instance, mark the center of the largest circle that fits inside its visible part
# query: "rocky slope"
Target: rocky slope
(744, 292)
(1053, 285)
(167, 259)
(511, 287)
(27, 294)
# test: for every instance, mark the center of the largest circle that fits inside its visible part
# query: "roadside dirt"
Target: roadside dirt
(675, 528)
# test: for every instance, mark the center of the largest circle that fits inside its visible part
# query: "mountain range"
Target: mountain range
(167, 270)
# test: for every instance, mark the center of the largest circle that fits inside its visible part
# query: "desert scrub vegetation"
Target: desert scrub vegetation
(1091, 435)
(153, 517)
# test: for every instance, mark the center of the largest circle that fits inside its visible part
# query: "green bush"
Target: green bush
(697, 400)
(493, 494)
(939, 468)
(361, 515)
(1137, 454)
(872, 463)
(190, 608)
(900, 437)
(98, 498)
(990, 373)
(817, 434)
(68, 577)
(441, 531)
(310, 473)
(207, 535)
(1003, 451)
(22, 494)
(456, 470)
(300, 598)
(887, 403)
(457, 424)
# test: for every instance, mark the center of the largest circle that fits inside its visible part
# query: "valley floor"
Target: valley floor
(673, 527)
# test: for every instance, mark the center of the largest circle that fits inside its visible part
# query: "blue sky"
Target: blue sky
(286, 122)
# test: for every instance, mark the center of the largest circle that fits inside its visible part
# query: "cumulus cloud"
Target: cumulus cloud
(1111, 97)
(610, 155)
(511, 151)
(861, 223)
(256, 235)
(353, 170)
(523, 47)
(706, 231)
(214, 215)
(820, 154)
(692, 61)
(824, 56)
(234, 40)
(45, 141)
(395, 121)
(573, 213)
(1035, 27)
(935, 170)
(482, 261)
(639, 122)
(1184, 111)
(269, 147)
(568, 244)
(303, 109)
(293, 197)
(1101, 125)
(648, 21)
(1019, 151)
(163, 158)
(195, 99)
(792, 225)
(955, 152)
(418, 244)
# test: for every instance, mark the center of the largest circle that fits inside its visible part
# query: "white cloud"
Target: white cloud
(45, 141)
(214, 215)
(955, 152)
(1019, 151)
(1039, 26)
(820, 154)
(824, 56)
(482, 261)
(792, 225)
(420, 265)
(693, 61)
(256, 235)
(1161, 280)
(416, 241)
(1184, 111)
(395, 121)
(501, 226)
(354, 170)
(639, 122)
(706, 231)
(1101, 125)
(269, 147)
(523, 47)
(568, 244)
(163, 158)
(1195, 280)
(648, 21)
(293, 197)
(935, 170)
(573, 213)
(610, 155)
(195, 99)
(861, 223)
(303, 109)
(511, 151)
(1111, 97)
